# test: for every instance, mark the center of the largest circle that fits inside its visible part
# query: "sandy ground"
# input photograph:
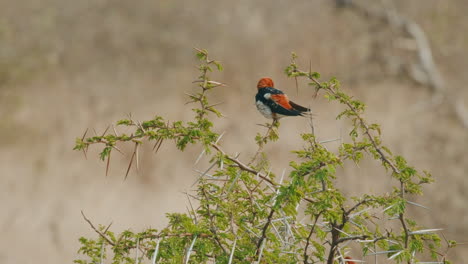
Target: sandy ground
(70, 65)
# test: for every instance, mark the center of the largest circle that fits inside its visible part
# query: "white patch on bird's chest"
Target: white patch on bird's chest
(265, 110)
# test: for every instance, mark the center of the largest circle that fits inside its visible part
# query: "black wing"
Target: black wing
(298, 107)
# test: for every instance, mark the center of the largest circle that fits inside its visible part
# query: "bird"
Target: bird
(274, 104)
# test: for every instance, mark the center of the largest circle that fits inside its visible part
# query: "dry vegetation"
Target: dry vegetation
(68, 65)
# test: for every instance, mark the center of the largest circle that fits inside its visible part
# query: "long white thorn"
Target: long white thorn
(189, 250)
(156, 250)
(232, 251)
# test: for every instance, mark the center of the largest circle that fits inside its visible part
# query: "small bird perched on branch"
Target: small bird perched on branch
(274, 104)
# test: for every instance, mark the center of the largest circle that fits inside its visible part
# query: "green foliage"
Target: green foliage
(246, 212)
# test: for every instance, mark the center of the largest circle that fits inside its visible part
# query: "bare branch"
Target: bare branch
(242, 166)
(306, 256)
(103, 235)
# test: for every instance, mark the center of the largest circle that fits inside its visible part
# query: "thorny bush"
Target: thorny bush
(245, 213)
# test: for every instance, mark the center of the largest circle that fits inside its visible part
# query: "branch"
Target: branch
(363, 123)
(263, 141)
(357, 205)
(212, 226)
(103, 235)
(161, 235)
(344, 239)
(306, 257)
(335, 236)
(242, 166)
(401, 217)
(263, 237)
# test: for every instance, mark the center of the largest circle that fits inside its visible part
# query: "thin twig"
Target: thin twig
(242, 166)
(262, 144)
(306, 256)
(103, 235)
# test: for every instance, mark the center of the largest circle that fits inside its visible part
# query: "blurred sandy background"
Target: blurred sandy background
(70, 65)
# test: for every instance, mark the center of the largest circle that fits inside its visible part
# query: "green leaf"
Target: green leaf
(125, 122)
(218, 65)
(105, 153)
(315, 75)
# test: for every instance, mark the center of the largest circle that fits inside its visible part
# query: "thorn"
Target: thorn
(232, 251)
(115, 131)
(160, 143)
(108, 162)
(191, 95)
(297, 85)
(329, 140)
(220, 136)
(137, 161)
(140, 126)
(205, 173)
(315, 93)
(105, 131)
(86, 151)
(82, 139)
(216, 104)
(191, 206)
(189, 250)
(157, 145)
(84, 135)
(130, 164)
(157, 142)
(425, 231)
(155, 253)
(107, 228)
(116, 148)
(416, 204)
(199, 157)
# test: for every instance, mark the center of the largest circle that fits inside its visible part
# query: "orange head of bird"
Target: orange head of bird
(265, 82)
